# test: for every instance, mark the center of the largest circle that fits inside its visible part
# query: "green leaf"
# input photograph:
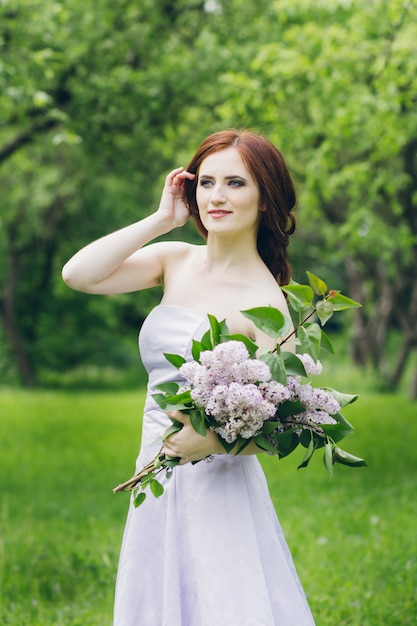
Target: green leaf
(160, 399)
(269, 427)
(275, 362)
(242, 443)
(227, 446)
(317, 284)
(156, 488)
(171, 463)
(309, 453)
(343, 398)
(269, 320)
(307, 433)
(310, 339)
(175, 359)
(336, 431)
(206, 342)
(197, 422)
(181, 398)
(139, 498)
(145, 480)
(286, 443)
(325, 343)
(342, 420)
(345, 458)
(169, 388)
(215, 330)
(296, 305)
(324, 310)
(264, 443)
(341, 302)
(300, 297)
(288, 408)
(196, 349)
(328, 459)
(293, 365)
(175, 428)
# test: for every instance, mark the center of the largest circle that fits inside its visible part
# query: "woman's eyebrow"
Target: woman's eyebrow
(234, 177)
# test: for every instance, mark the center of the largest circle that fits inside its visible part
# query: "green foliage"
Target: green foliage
(99, 99)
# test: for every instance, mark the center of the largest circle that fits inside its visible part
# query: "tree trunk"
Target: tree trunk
(361, 344)
(402, 360)
(11, 326)
(413, 387)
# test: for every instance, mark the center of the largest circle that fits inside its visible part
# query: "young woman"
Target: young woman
(210, 551)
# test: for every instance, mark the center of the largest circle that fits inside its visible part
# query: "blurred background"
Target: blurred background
(100, 99)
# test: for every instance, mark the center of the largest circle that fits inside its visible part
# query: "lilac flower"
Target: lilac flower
(320, 417)
(275, 392)
(316, 417)
(317, 398)
(194, 373)
(312, 368)
(225, 354)
(250, 371)
(238, 392)
(216, 401)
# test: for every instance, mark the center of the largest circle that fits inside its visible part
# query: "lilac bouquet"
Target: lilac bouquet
(243, 395)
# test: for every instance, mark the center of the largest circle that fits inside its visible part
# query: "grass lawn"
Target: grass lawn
(354, 539)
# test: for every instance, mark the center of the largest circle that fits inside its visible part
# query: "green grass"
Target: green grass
(354, 539)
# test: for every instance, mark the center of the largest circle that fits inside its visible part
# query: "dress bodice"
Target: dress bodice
(168, 329)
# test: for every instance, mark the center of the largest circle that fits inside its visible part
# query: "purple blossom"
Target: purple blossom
(239, 393)
(312, 368)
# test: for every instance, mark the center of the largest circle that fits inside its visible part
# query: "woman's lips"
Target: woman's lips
(219, 213)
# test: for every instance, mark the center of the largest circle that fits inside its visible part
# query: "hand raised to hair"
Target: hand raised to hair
(173, 207)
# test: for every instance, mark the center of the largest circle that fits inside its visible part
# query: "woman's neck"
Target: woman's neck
(226, 253)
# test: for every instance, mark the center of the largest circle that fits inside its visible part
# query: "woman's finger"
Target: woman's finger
(183, 418)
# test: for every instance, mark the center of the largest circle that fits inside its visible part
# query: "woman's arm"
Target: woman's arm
(118, 263)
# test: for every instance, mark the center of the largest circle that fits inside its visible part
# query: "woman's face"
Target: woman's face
(227, 195)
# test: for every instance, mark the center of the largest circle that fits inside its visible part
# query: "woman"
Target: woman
(210, 551)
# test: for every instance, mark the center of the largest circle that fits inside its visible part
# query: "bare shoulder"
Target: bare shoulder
(166, 252)
(168, 248)
(173, 252)
(174, 256)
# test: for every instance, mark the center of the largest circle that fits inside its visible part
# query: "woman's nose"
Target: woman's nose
(217, 194)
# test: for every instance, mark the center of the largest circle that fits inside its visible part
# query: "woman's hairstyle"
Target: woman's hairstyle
(276, 189)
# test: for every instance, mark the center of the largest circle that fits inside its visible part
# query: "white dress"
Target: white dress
(210, 551)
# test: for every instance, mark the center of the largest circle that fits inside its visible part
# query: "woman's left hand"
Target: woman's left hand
(187, 444)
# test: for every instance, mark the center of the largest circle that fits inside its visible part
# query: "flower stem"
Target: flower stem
(132, 482)
(297, 327)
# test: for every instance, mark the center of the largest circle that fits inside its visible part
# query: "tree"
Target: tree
(100, 99)
(87, 101)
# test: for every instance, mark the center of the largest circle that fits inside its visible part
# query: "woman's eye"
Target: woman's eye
(236, 183)
(205, 183)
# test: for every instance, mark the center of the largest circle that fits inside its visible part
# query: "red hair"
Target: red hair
(277, 194)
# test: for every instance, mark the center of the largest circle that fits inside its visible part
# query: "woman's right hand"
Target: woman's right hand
(173, 208)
